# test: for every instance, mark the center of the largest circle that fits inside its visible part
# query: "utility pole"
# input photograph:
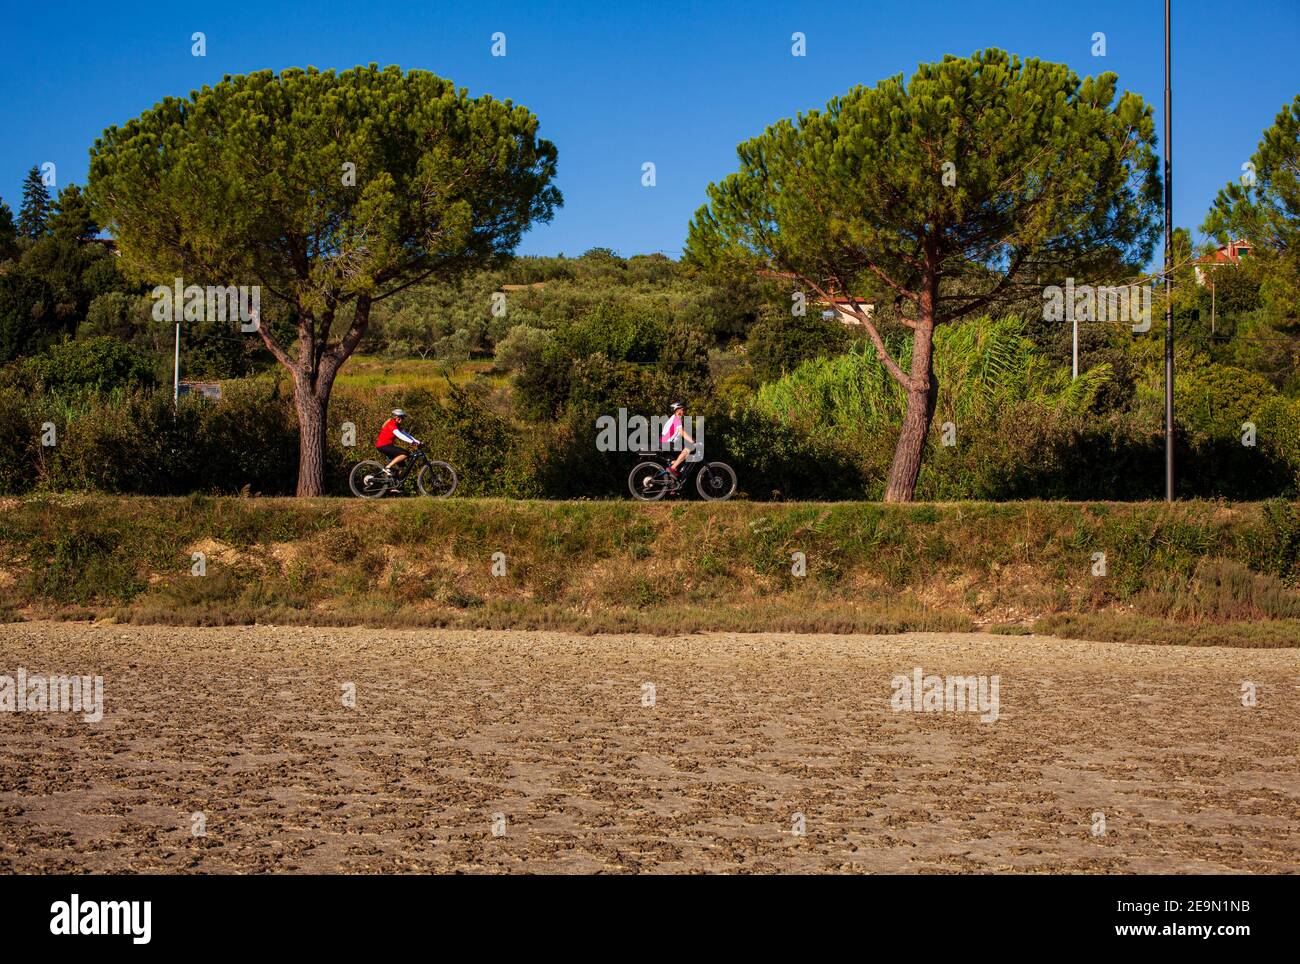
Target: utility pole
(1169, 278)
(176, 368)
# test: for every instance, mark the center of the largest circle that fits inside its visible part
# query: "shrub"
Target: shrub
(1212, 401)
(97, 364)
(775, 460)
(19, 442)
(780, 342)
(523, 347)
(249, 438)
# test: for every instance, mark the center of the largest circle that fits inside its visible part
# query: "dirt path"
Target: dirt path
(247, 727)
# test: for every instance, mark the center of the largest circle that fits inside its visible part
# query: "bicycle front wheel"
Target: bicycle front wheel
(716, 481)
(436, 480)
(368, 481)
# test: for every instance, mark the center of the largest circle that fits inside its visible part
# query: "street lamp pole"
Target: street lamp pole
(1169, 280)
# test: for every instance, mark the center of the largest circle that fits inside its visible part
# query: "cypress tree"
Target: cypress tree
(34, 215)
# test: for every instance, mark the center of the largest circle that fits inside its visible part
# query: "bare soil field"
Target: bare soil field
(480, 751)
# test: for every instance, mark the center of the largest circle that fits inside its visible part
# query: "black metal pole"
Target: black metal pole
(1169, 278)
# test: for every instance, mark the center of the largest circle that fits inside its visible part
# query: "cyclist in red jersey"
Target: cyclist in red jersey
(389, 435)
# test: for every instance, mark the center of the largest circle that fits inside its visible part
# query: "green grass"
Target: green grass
(368, 374)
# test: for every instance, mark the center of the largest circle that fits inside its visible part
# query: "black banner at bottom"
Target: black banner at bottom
(142, 914)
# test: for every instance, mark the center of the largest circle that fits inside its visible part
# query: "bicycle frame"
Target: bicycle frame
(407, 466)
(688, 470)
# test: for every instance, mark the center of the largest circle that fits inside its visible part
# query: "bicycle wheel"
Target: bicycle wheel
(436, 479)
(716, 481)
(646, 483)
(367, 480)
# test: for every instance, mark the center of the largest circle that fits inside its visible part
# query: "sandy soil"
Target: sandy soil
(247, 726)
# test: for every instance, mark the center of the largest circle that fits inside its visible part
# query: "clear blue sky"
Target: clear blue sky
(615, 85)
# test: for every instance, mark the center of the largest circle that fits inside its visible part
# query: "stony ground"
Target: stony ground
(486, 752)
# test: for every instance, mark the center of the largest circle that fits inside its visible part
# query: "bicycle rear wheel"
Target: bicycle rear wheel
(646, 482)
(368, 481)
(436, 479)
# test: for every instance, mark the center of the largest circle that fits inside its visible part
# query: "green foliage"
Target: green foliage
(616, 333)
(72, 219)
(19, 440)
(1278, 432)
(115, 314)
(776, 460)
(248, 439)
(34, 215)
(981, 367)
(1212, 401)
(439, 320)
(780, 341)
(1265, 210)
(618, 355)
(481, 444)
(8, 233)
(1022, 429)
(27, 318)
(46, 291)
(96, 365)
(442, 182)
(82, 564)
(1264, 207)
(1048, 168)
(136, 441)
(522, 347)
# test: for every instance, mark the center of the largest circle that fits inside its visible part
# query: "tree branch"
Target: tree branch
(882, 353)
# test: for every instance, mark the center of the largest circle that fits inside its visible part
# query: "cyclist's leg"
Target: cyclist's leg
(394, 453)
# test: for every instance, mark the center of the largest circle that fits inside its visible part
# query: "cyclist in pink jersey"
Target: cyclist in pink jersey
(674, 430)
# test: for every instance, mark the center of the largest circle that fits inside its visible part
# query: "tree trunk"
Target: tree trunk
(311, 402)
(922, 397)
(906, 467)
(313, 380)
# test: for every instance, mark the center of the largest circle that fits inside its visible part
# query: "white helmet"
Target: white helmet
(398, 413)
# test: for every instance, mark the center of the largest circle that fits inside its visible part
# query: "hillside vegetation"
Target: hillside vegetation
(1196, 573)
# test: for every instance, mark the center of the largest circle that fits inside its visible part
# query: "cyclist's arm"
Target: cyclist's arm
(408, 439)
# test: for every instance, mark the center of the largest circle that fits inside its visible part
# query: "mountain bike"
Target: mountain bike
(650, 479)
(437, 480)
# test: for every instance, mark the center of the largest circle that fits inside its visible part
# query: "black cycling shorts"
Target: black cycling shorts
(391, 451)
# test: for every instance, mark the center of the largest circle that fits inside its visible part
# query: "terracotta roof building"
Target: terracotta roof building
(1230, 253)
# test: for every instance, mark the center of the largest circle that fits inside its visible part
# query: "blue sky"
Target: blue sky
(615, 85)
